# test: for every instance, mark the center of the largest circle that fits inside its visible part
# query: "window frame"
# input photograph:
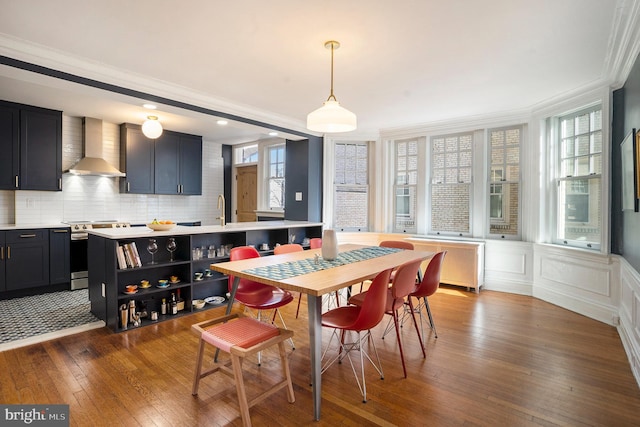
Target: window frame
(431, 163)
(506, 195)
(406, 186)
(269, 178)
(363, 186)
(558, 179)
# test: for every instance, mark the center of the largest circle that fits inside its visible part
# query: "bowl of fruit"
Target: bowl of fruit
(162, 225)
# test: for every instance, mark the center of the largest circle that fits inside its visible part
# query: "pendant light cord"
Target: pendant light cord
(331, 95)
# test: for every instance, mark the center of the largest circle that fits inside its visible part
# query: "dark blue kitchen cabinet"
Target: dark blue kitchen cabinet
(10, 146)
(3, 255)
(178, 164)
(31, 143)
(190, 165)
(59, 255)
(136, 160)
(167, 163)
(26, 258)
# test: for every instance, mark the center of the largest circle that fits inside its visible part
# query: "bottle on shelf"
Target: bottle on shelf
(163, 307)
(174, 304)
(180, 301)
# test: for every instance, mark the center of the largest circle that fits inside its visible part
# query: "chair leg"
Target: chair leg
(396, 323)
(433, 325)
(415, 323)
(286, 373)
(236, 363)
(364, 382)
(196, 377)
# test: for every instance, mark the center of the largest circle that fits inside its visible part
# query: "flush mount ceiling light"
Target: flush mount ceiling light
(331, 117)
(152, 128)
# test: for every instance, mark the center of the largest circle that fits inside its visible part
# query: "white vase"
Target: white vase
(329, 245)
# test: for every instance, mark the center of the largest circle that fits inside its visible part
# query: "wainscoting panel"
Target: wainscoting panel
(577, 280)
(629, 328)
(508, 266)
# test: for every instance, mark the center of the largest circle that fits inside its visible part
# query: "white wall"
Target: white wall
(96, 198)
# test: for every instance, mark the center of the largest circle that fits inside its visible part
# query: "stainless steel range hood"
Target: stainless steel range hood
(92, 163)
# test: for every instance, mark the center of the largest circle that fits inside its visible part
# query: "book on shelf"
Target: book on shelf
(136, 255)
(122, 262)
(131, 256)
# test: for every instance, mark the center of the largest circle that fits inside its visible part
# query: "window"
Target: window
(504, 181)
(275, 177)
(247, 154)
(451, 165)
(579, 201)
(351, 189)
(405, 186)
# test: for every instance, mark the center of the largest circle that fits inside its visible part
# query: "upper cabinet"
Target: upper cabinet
(171, 164)
(31, 143)
(136, 160)
(178, 164)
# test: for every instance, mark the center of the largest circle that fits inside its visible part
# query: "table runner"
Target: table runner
(290, 269)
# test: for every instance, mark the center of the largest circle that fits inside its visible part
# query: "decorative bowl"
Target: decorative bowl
(198, 303)
(161, 227)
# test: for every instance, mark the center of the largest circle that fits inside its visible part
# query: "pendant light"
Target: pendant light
(152, 128)
(331, 117)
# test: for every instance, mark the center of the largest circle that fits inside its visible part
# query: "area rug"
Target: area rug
(28, 320)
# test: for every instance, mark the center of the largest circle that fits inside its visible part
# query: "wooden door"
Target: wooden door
(247, 197)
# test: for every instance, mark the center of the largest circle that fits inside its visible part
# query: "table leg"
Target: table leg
(232, 295)
(314, 305)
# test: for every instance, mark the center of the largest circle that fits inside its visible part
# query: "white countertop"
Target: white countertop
(136, 232)
(9, 227)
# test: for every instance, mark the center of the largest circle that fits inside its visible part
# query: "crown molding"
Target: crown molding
(624, 43)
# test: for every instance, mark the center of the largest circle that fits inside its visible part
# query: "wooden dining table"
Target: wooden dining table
(287, 271)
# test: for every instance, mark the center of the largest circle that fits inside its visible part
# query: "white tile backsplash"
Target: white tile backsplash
(94, 198)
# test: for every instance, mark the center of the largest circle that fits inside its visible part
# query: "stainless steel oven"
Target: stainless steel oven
(79, 252)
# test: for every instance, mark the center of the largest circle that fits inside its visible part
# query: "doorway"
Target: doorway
(246, 193)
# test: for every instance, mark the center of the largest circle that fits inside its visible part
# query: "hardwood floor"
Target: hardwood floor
(499, 360)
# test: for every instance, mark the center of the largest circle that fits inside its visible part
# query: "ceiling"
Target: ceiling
(400, 64)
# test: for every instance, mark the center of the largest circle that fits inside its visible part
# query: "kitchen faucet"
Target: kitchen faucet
(221, 206)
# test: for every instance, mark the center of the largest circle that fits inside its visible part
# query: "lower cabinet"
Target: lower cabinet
(183, 274)
(3, 253)
(26, 259)
(59, 255)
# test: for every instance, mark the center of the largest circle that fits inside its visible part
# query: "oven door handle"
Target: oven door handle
(79, 236)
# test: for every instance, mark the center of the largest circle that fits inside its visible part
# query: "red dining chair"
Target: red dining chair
(315, 243)
(255, 295)
(427, 287)
(358, 319)
(288, 248)
(404, 282)
(398, 244)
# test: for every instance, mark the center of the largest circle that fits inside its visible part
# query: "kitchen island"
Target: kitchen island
(119, 257)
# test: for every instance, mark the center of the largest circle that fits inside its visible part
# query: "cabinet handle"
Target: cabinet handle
(1, 252)
(8, 252)
(59, 183)
(60, 231)
(128, 186)
(24, 236)
(17, 182)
